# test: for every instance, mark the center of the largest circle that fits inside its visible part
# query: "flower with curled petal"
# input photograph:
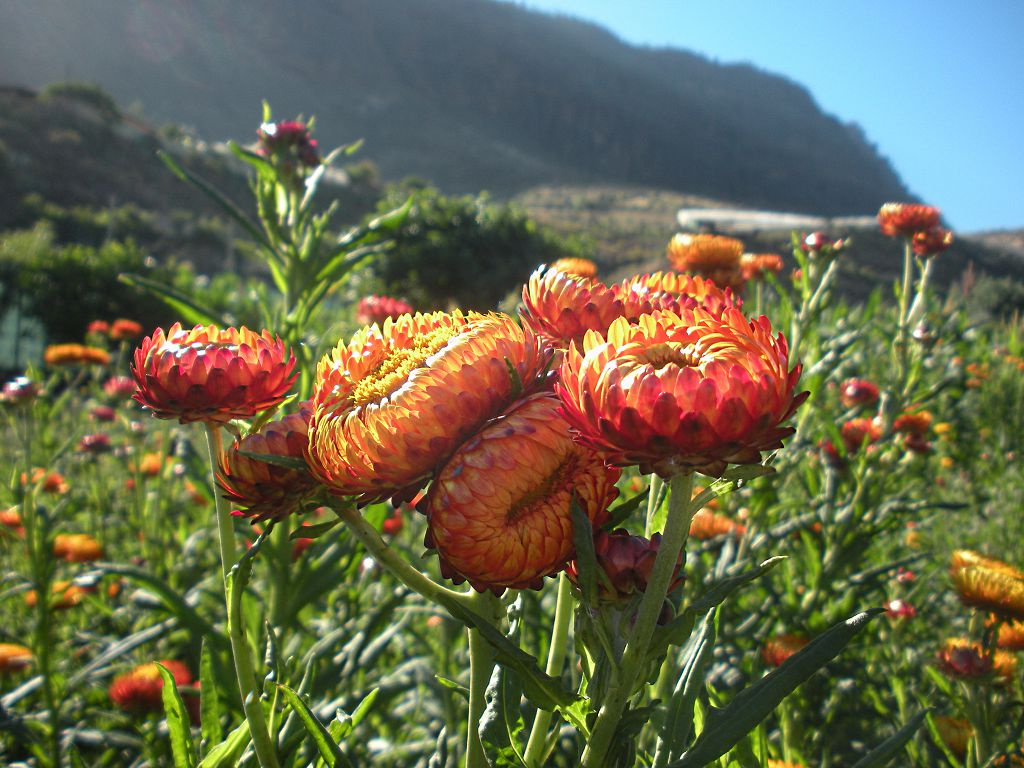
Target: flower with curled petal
(395, 402)
(904, 219)
(140, 691)
(626, 563)
(681, 392)
(262, 490)
(211, 375)
(988, 584)
(499, 511)
(714, 256)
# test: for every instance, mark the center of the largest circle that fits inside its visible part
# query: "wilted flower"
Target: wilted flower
(140, 691)
(377, 309)
(122, 329)
(931, 242)
(967, 660)
(396, 401)
(14, 658)
(212, 375)
(499, 512)
(77, 547)
(264, 490)
(988, 584)
(19, 390)
(858, 392)
(75, 354)
(714, 256)
(707, 524)
(776, 650)
(626, 562)
(904, 219)
(856, 432)
(576, 266)
(676, 393)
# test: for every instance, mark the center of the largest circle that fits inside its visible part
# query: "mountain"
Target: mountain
(471, 94)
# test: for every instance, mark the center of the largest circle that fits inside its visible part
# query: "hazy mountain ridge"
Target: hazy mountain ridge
(471, 94)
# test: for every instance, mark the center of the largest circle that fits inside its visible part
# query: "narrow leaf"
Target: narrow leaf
(679, 716)
(462, 690)
(226, 754)
(191, 311)
(288, 462)
(209, 701)
(618, 514)
(177, 722)
(329, 750)
(586, 557)
(347, 723)
(314, 531)
(888, 749)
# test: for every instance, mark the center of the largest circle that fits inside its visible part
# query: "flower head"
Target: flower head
(681, 392)
(857, 393)
(931, 242)
(77, 547)
(499, 512)
(626, 563)
(288, 142)
(75, 354)
(707, 524)
(754, 266)
(14, 657)
(904, 219)
(900, 610)
(377, 309)
(560, 306)
(644, 294)
(916, 423)
(576, 266)
(97, 328)
(50, 482)
(119, 387)
(988, 584)
(207, 374)
(713, 256)
(820, 244)
(779, 648)
(857, 432)
(140, 691)
(64, 594)
(1010, 636)
(122, 329)
(394, 403)
(19, 390)
(264, 490)
(95, 443)
(967, 660)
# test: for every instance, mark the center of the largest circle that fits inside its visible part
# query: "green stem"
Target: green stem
(653, 503)
(624, 678)
(241, 655)
(481, 664)
(902, 336)
(536, 746)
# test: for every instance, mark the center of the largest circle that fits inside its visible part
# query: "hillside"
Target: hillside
(471, 94)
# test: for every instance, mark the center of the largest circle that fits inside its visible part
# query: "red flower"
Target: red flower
(97, 328)
(905, 219)
(19, 390)
(211, 375)
(856, 432)
(103, 413)
(288, 141)
(858, 392)
(140, 691)
(778, 649)
(125, 329)
(931, 242)
(377, 309)
(755, 266)
(626, 562)
(900, 610)
(95, 443)
(119, 387)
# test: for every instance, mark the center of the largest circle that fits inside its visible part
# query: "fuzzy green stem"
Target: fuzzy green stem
(536, 746)
(902, 336)
(240, 652)
(680, 510)
(481, 664)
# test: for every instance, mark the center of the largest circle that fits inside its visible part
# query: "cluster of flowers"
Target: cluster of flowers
(503, 424)
(921, 225)
(721, 259)
(117, 330)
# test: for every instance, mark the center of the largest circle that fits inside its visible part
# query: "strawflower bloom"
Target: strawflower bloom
(988, 584)
(754, 266)
(119, 387)
(97, 328)
(52, 482)
(966, 660)
(14, 657)
(677, 393)
(913, 423)
(394, 403)
(714, 256)
(776, 650)
(499, 512)
(10, 519)
(393, 523)
(627, 563)
(820, 244)
(904, 219)
(77, 547)
(140, 691)
(212, 375)
(19, 390)
(75, 354)
(288, 141)
(931, 242)
(576, 266)
(707, 524)
(103, 413)
(900, 610)
(1010, 636)
(122, 329)
(856, 432)
(95, 443)
(858, 392)
(644, 294)
(261, 490)
(377, 309)
(64, 594)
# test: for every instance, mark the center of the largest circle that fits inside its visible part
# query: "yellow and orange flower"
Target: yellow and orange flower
(988, 584)
(393, 404)
(627, 563)
(955, 733)
(966, 660)
(714, 256)
(77, 547)
(707, 524)
(499, 512)
(262, 490)
(779, 648)
(783, 764)
(754, 266)
(51, 482)
(904, 219)
(212, 375)
(75, 354)
(1011, 636)
(576, 266)
(140, 691)
(14, 657)
(681, 392)
(644, 294)
(915, 423)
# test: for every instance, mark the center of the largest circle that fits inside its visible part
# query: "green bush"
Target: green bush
(86, 93)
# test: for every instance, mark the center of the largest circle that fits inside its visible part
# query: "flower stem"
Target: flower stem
(624, 678)
(902, 335)
(536, 746)
(481, 664)
(241, 655)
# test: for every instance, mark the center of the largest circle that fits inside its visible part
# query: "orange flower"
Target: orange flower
(856, 431)
(714, 256)
(707, 524)
(627, 562)
(904, 219)
(14, 657)
(754, 266)
(931, 242)
(65, 595)
(576, 266)
(52, 482)
(1011, 636)
(681, 392)
(397, 401)
(77, 547)
(916, 424)
(377, 309)
(211, 375)
(988, 585)
(966, 660)
(955, 733)
(140, 691)
(499, 510)
(783, 764)
(262, 490)
(11, 518)
(779, 648)
(122, 329)
(858, 392)
(668, 290)
(97, 328)
(75, 354)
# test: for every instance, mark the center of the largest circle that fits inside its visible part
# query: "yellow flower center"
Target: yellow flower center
(668, 353)
(550, 485)
(396, 367)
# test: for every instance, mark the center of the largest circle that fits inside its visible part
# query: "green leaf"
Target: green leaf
(177, 722)
(586, 557)
(462, 690)
(191, 311)
(226, 754)
(288, 462)
(314, 531)
(347, 723)
(623, 511)
(888, 749)
(675, 732)
(329, 750)
(209, 707)
(501, 724)
(723, 728)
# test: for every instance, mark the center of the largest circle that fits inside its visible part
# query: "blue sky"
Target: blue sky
(938, 86)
